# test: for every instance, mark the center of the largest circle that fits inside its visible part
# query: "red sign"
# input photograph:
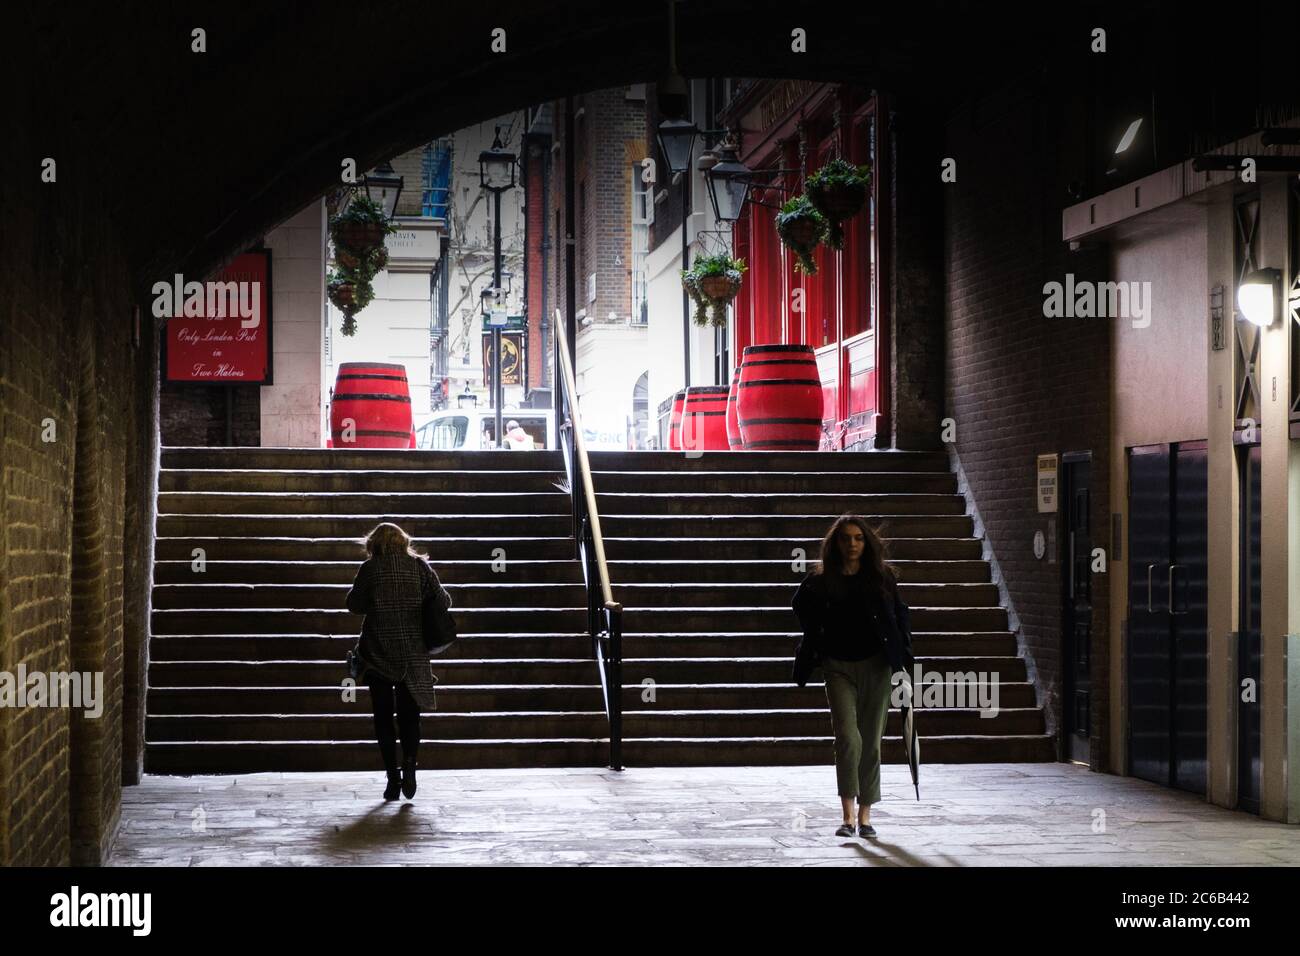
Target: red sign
(219, 331)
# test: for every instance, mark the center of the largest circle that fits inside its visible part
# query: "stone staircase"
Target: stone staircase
(246, 656)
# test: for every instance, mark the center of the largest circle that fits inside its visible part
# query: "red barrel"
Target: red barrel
(375, 397)
(675, 422)
(779, 398)
(733, 427)
(704, 418)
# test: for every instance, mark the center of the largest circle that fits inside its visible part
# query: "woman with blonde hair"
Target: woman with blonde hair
(856, 628)
(391, 589)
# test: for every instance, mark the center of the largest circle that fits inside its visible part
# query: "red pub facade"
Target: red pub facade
(800, 125)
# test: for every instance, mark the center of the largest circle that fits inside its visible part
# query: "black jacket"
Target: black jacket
(892, 620)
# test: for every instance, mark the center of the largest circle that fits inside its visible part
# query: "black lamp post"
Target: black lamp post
(676, 139)
(497, 174)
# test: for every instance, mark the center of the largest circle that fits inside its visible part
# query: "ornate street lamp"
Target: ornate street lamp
(729, 181)
(384, 186)
(676, 138)
(496, 166)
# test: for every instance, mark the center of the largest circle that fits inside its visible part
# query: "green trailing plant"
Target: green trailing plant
(802, 228)
(838, 191)
(349, 292)
(690, 282)
(713, 282)
(358, 235)
(360, 229)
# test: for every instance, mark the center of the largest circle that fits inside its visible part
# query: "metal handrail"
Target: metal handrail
(604, 614)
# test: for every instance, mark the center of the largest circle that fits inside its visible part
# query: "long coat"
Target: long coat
(891, 619)
(390, 590)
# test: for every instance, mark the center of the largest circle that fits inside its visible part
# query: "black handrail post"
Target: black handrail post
(614, 668)
(604, 614)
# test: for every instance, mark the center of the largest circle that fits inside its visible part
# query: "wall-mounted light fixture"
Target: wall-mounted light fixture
(1257, 296)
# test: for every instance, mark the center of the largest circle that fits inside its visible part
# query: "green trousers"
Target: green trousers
(858, 693)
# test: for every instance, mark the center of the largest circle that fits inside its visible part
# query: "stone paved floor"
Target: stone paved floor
(1002, 814)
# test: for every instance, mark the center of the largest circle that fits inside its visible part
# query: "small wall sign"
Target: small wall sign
(1040, 546)
(1047, 488)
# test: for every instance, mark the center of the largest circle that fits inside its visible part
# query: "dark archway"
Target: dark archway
(170, 160)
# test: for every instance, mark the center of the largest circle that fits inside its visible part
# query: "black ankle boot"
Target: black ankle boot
(394, 788)
(408, 778)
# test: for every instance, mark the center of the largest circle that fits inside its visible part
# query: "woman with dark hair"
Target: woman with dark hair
(391, 589)
(856, 628)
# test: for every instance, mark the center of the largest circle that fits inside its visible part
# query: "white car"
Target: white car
(471, 429)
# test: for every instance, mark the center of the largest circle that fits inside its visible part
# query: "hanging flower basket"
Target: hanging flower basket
(713, 282)
(358, 237)
(725, 286)
(838, 191)
(801, 228)
(360, 229)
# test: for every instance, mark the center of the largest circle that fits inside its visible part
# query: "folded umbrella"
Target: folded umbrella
(911, 741)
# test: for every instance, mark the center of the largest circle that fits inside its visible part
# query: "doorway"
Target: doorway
(1168, 567)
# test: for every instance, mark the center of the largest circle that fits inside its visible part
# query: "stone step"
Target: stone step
(716, 547)
(275, 480)
(506, 594)
(535, 525)
(554, 571)
(412, 481)
(793, 461)
(183, 647)
(547, 670)
(488, 501)
(534, 619)
(781, 482)
(256, 757)
(328, 699)
(335, 459)
(358, 459)
(803, 502)
(248, 548)
(743, 526)
(559, 724)
(244, 547)
(358, 526)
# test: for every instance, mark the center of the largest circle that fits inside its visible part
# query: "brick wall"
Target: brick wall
(73, 383)
(1019, 384)
(613, 133)
(410, 166)
(196, 414)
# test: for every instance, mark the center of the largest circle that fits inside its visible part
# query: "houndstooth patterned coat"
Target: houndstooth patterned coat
(390, 591)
